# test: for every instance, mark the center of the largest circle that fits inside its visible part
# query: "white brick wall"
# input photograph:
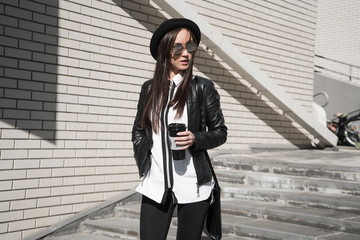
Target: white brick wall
(337, 36)
(70, 78)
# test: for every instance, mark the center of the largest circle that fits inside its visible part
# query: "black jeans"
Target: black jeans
(155, 219)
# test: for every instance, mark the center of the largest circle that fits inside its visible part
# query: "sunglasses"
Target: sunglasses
(178, 48)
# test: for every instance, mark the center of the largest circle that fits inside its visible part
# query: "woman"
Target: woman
(174, 95)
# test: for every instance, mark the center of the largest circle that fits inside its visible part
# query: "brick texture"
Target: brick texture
(337, 37)
(71, 73)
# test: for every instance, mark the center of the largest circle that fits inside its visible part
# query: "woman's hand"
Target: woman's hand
(185, 139)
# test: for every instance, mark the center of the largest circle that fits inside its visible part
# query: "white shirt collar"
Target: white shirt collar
(177, 79)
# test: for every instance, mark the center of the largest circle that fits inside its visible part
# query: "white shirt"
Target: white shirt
(185, 186)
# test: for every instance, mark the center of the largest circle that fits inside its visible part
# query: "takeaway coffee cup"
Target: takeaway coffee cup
(173, 129)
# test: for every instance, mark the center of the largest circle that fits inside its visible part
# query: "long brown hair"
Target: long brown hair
(158, 93)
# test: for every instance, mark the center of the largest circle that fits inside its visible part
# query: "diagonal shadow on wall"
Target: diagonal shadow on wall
(258, 106)
(28, 69)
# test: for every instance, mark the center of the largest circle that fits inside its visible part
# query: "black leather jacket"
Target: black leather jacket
(205, 121)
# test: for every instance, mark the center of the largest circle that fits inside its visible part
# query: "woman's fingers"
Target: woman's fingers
(185, 139)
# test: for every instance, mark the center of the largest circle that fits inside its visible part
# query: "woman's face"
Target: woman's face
(182, 61)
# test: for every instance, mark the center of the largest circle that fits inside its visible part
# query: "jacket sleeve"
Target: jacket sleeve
(211, 117)
(141, 142)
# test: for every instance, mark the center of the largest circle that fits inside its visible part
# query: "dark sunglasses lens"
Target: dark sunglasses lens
(177, 49)
(191, 47)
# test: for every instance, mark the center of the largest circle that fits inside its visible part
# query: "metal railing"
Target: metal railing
(351, 66)
(326, 98)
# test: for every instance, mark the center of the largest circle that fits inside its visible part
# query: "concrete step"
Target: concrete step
(272, 230)
(314, 217)
(114, 227)
(350, 204)
(236, 227)
(265, 196)
(84, 236)
(288, 182)
(230, 237)
(320, 218)
(128, 229)
(316, 164)
(80, 236)
(129, 211)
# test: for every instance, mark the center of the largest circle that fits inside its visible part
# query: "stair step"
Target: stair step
(298, 183)
(231, 237)
(234, 227)
(128, 229)
(324, 218)
(349, 204)
(321, 218)
(113, 227)
(80, 236)
(265, 229)
(241, 226)
(339, 236)
(84, 236)
(129, 211)
(317, 164)
(268, 197)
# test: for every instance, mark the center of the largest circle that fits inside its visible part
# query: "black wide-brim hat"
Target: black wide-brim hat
(169, 25)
